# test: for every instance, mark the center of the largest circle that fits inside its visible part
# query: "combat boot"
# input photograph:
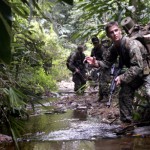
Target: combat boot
(100, 98)
(103, 99)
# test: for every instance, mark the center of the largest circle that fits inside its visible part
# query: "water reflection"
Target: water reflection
(126, 143)
(101, 144)
(73, 131)
(82, 131)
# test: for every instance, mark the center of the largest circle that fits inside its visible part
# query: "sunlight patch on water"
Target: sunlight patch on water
(81, 131)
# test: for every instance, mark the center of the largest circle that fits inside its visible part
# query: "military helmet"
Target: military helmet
(128, 24)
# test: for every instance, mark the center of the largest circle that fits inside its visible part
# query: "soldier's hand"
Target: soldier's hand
(118, 80)
(77, 70)
(92, 61)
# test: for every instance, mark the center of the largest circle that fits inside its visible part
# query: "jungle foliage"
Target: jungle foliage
(29, 61)
(37, 35)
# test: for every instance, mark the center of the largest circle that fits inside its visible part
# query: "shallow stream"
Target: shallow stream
(73, 130)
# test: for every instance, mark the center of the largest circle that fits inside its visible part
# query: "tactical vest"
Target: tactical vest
(78, 62)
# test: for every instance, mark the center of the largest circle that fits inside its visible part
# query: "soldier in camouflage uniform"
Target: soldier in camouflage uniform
(98, 52)
(77, 67)
(104, 78)
(130, 53)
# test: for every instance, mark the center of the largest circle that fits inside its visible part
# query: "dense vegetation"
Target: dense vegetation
(37, 35)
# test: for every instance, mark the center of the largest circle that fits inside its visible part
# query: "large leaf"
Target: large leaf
(5, 32)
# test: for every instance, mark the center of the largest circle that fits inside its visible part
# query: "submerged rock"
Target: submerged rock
(141, 131)
(5, 138)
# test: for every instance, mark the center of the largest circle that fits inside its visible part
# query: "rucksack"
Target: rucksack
(68, 60)
(140, 33)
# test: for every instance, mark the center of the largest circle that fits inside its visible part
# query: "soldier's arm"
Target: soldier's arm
(109, 58)
(96, 63)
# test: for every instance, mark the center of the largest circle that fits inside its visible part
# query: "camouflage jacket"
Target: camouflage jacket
(97, 52)
(76, 61)
(130, 53)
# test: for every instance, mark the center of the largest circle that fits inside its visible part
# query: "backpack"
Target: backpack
(68, 60)
(140, 33)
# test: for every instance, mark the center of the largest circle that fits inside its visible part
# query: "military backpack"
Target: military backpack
(68, 60)
(140, 33)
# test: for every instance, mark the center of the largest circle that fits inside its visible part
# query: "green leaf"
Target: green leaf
(14, 137)
(5, 32)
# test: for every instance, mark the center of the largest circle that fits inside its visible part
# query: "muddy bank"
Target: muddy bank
(89, 104)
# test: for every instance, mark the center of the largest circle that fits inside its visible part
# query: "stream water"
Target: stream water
(73, 130)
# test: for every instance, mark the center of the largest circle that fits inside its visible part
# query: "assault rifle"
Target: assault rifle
(115, 71)
(80, 74)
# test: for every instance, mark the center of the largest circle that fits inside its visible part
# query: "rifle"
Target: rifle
(80, 74)
(115, 71)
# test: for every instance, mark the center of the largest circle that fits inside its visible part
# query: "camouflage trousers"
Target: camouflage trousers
(79, 81)
(104, 81)
(126, 96)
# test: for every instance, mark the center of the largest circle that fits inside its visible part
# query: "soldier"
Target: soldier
(130, 53)
(76, 65)
(98, 52)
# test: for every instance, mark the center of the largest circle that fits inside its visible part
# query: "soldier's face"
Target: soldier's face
(95, 44)
(114, 33)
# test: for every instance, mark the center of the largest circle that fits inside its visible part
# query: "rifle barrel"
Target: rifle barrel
(113, 85)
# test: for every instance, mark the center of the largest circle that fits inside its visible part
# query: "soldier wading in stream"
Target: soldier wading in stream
(130, 53)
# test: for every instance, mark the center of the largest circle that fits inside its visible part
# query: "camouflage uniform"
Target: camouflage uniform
(76, 61)
(97, 52)
(104, 74)
(104, 78)
(130, 55)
